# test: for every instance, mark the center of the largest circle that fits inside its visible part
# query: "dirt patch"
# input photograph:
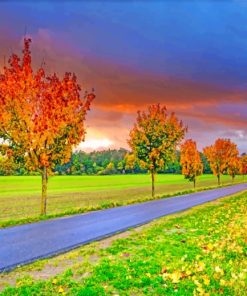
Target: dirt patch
(106, 242)
(47, 272)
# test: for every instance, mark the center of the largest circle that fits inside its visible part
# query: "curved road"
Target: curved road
(26, 243)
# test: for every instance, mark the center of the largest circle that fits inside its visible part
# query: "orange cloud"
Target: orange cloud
(121, 91)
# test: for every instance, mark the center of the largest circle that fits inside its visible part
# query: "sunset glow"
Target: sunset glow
(95, 144)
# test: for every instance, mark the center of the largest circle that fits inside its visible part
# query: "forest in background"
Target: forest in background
(105, 162)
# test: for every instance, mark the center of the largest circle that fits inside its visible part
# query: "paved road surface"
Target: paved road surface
(26, 243)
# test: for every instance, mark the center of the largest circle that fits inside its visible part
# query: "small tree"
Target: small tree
(154, 138)
(219, 156)
(120, 166)
(110, 169)
(243, 165)
(234, 167)
(130, 162)
(41, 117)
(190, 160)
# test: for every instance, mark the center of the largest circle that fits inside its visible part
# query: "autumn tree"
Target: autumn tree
(190, 160)
(130, 161)
(154, 138)
(120, 166)
(219, 156)
(243, 165)
(234, 167)
(41, 117)
(110, 169)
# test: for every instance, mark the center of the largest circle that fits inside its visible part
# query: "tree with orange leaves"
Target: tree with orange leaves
(41, 117)
(243, 165)
(219, 156)
(154, 138)
(190, 161)
(234, 167)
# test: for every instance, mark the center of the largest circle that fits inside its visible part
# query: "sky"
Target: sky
(190, 56)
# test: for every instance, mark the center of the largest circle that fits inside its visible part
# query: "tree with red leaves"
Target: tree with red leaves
(41, 117)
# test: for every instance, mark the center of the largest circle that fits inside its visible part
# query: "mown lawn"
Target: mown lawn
(201, 251)
(20, 196)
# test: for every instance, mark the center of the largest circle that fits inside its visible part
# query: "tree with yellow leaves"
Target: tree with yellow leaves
(155, 137)
(190, 161)
(130, 161)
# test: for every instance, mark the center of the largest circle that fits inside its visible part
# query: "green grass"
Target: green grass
(201, 251)
(20, 196)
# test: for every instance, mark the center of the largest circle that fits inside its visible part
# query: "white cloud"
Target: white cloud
(95, 144)
(240, 134)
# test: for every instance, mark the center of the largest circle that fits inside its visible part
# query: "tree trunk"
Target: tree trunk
(233, 178)
(152, 175)
(44, 191)
(194, 181)
(218, 177)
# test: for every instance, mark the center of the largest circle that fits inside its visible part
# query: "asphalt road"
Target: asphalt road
(23, 244)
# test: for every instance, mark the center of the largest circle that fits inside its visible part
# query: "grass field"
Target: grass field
(20, 196)
(201, 251)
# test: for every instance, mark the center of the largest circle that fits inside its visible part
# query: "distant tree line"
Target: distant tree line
(106, 162)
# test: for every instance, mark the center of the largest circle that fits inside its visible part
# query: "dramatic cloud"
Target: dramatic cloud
(196, 67)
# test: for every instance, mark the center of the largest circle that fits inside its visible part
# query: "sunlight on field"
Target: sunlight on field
(20, 196)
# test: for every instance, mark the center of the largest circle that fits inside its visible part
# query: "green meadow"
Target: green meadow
(20, 195)
(201, 251)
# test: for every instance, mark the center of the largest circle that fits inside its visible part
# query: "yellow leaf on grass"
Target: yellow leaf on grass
(206, 280)
(165, 276)
(222, 282)
(175, 277)
(197, 283)
(60, 290)
(200, 266)
(219, 270)
(210, 247)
